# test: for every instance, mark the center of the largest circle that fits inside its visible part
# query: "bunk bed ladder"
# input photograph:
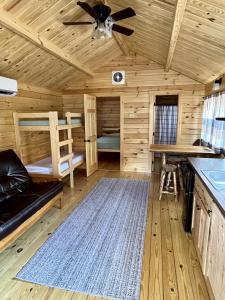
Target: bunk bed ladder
(56, 145)
(54, 138)
(70, 147)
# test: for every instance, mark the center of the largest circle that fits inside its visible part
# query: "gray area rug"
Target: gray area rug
(98, 249)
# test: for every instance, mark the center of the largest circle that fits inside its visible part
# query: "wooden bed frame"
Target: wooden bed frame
(108, 150)
(54, 128)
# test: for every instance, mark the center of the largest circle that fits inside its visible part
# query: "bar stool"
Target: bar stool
(168, 180)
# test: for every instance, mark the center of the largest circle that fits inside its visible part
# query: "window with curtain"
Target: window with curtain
(165, 124)
(213, 131)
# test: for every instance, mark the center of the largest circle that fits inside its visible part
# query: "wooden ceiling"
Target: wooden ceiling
(187, 36)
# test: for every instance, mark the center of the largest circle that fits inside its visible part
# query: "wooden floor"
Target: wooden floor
(109, 161)
(170, 265)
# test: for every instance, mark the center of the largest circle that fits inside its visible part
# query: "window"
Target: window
(213, 131)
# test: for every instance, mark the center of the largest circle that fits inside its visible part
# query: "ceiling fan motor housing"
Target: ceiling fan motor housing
(103, 11)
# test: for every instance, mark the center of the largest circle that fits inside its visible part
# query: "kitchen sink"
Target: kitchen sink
(216, 178)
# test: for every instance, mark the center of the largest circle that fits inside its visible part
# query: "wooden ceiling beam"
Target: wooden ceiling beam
(8, 20)
(178, 19)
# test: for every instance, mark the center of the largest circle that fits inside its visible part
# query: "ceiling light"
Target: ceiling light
(103, 30)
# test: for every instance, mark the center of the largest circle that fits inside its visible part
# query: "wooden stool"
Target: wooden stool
(166, 182)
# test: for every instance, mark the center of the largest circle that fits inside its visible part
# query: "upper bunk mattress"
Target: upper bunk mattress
(109, 142)
(46, 122)
(44, 166)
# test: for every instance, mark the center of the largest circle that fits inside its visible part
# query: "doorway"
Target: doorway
(108, 132)
(166, 116)
(165, 123)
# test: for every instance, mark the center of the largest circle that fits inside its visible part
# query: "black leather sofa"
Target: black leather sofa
(21, 197)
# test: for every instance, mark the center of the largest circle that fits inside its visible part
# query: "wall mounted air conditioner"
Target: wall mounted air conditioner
(118, 77)
(8, 87)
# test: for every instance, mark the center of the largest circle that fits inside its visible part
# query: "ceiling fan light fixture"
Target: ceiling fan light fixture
(103, 30)
(105, 22)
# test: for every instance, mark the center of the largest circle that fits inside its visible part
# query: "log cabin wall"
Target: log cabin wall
(144, 80)
(36, 145)
(136, 131)
(108, 113)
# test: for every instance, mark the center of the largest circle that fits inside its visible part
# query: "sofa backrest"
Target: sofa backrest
(14, 177)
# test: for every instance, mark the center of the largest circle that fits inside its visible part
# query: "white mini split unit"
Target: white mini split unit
(8, 87)
(118, 77)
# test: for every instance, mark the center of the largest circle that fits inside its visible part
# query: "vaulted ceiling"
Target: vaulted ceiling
(187, 36)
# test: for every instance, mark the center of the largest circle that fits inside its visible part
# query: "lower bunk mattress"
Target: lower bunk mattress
(108, 142)
(44, 166)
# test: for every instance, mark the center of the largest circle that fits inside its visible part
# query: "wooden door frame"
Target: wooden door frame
(153, 96)
(179, 111)
(102, 95)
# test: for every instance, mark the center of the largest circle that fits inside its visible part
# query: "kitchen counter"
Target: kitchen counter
(210, 164)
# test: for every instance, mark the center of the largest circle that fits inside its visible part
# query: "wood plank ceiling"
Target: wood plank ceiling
(35, 47)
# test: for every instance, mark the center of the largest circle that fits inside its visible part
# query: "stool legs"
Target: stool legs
(162, 182)
(175, 185)
(168, 181)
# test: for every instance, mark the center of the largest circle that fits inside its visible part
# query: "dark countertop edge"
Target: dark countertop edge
(210, 189)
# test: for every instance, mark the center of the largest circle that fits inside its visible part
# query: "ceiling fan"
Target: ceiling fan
(104, 21)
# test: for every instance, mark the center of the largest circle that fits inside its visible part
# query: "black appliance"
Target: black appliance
(188, 182)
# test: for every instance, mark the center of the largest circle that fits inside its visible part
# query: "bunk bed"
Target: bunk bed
(60, 163)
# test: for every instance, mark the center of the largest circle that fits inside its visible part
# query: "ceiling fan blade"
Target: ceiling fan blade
(122, 29)
(123, 14)
(77, 23)
(88, 9)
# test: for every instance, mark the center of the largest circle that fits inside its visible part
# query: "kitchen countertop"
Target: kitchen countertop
(210, 164)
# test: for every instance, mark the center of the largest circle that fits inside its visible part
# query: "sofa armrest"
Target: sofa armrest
(44, 177)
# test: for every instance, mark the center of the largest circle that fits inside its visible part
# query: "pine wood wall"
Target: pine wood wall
(36, 145)
(136, 132)
(144, 80)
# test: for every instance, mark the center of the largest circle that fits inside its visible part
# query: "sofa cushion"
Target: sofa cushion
(21, 206)
(13, 175)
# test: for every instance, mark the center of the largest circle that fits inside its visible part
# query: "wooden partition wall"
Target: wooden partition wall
(35, 145)
(136, 131)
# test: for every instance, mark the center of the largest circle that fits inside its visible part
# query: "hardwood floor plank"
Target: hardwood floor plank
(144, 294)
(156, 282)
(170, 290)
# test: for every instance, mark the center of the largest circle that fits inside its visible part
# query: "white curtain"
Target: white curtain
(165, 124)
(213, 131)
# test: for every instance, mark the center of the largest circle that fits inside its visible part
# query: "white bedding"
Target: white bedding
(44, 166)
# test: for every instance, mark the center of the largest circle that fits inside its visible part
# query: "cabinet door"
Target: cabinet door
(196, 222)
(201, 230)
(215, 269)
